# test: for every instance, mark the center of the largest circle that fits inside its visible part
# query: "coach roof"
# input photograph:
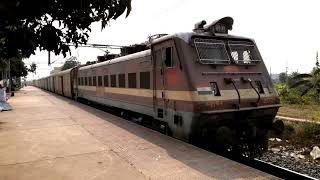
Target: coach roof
(119, 59)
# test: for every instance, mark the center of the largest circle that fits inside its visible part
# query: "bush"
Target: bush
(302, 134)
(293, 96)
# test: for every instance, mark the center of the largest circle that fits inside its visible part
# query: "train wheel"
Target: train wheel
(224, 139)
(278, 127)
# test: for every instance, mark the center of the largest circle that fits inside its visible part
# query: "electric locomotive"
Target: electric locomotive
(206, 87)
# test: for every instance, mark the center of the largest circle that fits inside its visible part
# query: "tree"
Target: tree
(33, 68)
(283, 77)
(52, 24)
(18, 68)
(308, 82)
(70, 63)
(291, 79)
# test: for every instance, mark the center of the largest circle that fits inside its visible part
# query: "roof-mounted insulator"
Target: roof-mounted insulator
(220, 26)
(198, 27)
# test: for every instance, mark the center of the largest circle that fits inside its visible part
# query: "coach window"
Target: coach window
(145, 80)
(122, 80)
(90, 81)
(168, 57)
(85, 81)
(99, 81)
(106, 81)
(82, 81)
(113, 80)
(79, 81)
(132, 80)
(94, 81)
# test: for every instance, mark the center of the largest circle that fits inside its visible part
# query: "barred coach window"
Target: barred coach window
(85, 81)
(122, 80)
(106, 81)
(94, 81)
(132, 80)
(99, 81)
(145, 80)
(113, 79)
(90, 81)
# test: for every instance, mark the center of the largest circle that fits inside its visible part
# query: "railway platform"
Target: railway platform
(47, 136)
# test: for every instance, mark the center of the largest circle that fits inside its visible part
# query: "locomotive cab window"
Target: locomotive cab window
(211, 51)
(167, 57)
(243, 52)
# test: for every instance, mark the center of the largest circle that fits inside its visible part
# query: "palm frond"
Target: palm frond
(317, 71)
(305, 91)
(301, 76)
(301, 82)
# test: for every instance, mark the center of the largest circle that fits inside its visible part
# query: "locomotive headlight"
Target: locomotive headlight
(219, 28)
(215, 89)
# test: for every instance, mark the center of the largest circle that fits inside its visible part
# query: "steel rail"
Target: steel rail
(277, 171)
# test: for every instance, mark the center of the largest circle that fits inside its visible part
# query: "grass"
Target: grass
(298, 135)
(309, 112)
(302, 134)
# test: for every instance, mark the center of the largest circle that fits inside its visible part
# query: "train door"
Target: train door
(53, 84)
(168, 87)
(164, 68)
(47, 84)
(62, 85)
(158, 85)
(74, 83)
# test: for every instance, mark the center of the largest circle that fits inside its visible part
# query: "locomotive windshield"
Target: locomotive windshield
(243, 52)
(211, 51)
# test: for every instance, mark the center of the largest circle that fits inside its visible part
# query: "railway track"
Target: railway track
(277, 171)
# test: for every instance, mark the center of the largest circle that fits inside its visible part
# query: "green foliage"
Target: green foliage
(300, 88)
(302, 134)
(70, 63)
(308, 83)
(33, 68)
(293, 95)
(52, 24)
(289, 96)
(283, 77)
(18, 68)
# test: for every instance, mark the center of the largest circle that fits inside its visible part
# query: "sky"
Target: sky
(287, 32)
